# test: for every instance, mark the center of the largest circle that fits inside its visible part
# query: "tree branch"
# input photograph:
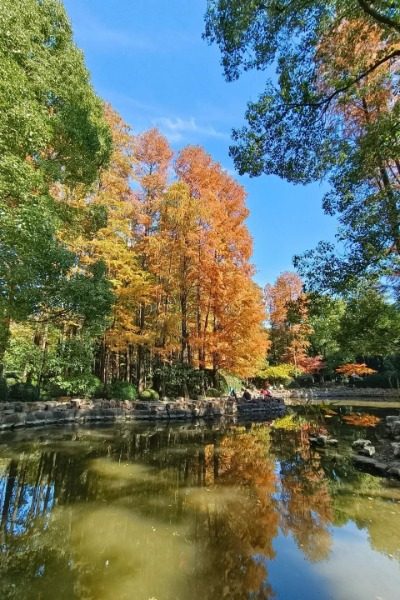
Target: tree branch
(328, 99)
(372, 12)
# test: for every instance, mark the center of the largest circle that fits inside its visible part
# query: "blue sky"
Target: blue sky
(148, 60)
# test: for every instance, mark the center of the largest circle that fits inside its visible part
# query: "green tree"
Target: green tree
(325, 314)
(52, 131)
(331, 110)
(281, 373)
(370, 325)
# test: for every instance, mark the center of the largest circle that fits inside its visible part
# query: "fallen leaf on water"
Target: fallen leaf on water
(359, 420)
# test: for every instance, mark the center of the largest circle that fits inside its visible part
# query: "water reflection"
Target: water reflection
(179, 513)
(304, 499)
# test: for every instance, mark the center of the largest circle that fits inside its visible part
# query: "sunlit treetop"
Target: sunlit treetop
(355, 369)
(51, 121)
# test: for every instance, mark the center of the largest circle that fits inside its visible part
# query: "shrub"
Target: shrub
(213, 393)
(228, 382)
(53, 390)
(305, 380)
(121, 390)
(25, 392)
(282, 373)
(85, 384)
(149, 395)
(155, 395)
(179, 380)
(378, 380)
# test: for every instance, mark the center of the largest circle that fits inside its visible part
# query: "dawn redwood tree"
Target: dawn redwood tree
(228, 332)
(114, 207)
(175, 260)
(153, 157)
(287, 308)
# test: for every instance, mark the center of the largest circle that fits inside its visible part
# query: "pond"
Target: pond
(194, 512)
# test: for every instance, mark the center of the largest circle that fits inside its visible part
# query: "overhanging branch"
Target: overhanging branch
(375, 14)
(324, 102)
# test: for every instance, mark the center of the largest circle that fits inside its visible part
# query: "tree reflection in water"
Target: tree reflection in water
(239, 537)
(304, 498)
(215, 498)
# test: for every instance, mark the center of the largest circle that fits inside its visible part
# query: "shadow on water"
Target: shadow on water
(190, 512)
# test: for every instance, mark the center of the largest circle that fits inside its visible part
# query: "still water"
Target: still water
(194, 512)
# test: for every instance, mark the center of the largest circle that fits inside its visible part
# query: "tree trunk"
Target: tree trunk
(5, 323)
(140, 351)
(43, 347)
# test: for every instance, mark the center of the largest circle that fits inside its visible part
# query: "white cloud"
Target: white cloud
(177, 129)
(107, 37)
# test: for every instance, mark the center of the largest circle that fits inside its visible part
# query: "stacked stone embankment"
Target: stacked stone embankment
(27, 414)
(259, 409)
(15, 415)
(339, 392)
(386, 459)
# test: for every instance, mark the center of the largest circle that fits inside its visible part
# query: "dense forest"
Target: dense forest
(126, 267)
(120, 262)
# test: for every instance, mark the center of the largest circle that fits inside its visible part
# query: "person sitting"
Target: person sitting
(232, 395)
(246, 395)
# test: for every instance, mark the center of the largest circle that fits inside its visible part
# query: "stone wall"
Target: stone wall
(26, 414)
(340, 392)
(14, 415)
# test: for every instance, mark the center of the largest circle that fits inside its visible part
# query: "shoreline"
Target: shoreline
(18, 415)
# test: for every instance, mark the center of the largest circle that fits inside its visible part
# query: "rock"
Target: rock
(13, 419)
(332, 442)
(31, 418)
(380, 467)
(41, 415)
(141, 406)
(394, 469)
(363, 460)
(369, 464)
(396, 448)
(361, 444)
(75, 402)
(366, 451)
(391, 418)
(393, 425)
(59, 414)
(322, 441)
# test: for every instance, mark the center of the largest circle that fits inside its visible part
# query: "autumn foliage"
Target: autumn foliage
(358, 369)
(287, 307)
(361, 420)
(177, 251)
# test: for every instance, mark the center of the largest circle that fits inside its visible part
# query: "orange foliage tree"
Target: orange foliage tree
(227, 331)
(367, 198)
(287, 307)
(176, 248)
(115, 207)
(358, 369)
